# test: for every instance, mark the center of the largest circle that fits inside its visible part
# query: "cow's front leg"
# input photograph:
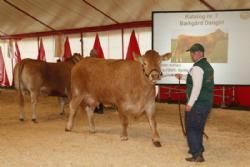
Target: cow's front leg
(90, 114)
(124, 121)
(21, 105)
(152, 122)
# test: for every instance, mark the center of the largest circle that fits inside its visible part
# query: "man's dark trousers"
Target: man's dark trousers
(195, 123)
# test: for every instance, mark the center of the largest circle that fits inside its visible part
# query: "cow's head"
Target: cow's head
(151, 62)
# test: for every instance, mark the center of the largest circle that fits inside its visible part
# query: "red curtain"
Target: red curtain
(242, 95)
(98, 47)
(16, 57)
(41, 52)
(4, 81)
(17, 54)
(132, 47)
(233, 95)
(218, 92)
(67, 49)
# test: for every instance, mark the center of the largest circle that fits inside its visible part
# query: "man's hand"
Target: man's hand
(188, 108)
(178, 76)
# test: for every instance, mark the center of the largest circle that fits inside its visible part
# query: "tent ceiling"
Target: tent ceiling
(31, 16)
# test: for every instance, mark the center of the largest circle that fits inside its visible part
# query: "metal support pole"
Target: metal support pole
(81, 40)
(233, 96)
(223, 104)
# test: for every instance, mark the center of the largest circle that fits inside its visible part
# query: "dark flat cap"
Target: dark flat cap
(196, 47)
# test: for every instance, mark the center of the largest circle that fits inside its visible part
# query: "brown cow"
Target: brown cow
(183, 42)
(128, 85)
(36, 78)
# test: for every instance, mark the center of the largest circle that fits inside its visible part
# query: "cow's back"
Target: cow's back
(45, 78)
(111, 81)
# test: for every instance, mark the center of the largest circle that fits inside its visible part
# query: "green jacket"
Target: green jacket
(206, 93)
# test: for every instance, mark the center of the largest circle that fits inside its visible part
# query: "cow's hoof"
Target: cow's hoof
(67, 130)
(62, 113)
(98, 111)
(21, 119)
(34, 121)
(157, 143)
(124, 138)
(91, 131)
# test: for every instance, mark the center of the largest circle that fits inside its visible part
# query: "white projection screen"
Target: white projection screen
(224, 34)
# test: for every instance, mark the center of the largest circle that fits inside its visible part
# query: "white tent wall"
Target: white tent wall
(111, 42)
(49, 47)
(143, 36)
(75, 43)
(7, 59)
(28, 48)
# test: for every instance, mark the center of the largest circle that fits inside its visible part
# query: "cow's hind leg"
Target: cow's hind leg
(90, 114)
(124, 121)
(73, 107)
(33, 97)
(152, 122)
(21, 105)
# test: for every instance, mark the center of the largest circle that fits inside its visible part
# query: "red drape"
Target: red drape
(233, 95)
(67, 49)
(4, 81)
(98, 47)
(17, 58)
(41, 52)
(242, 95)
(17, 54)
(132, 47)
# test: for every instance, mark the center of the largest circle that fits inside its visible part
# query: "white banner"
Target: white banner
(224, 34)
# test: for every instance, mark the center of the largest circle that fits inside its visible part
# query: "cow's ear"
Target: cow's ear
(166, 56)
(137, 58)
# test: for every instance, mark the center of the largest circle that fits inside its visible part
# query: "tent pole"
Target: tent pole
(81, 40)
(122, 43)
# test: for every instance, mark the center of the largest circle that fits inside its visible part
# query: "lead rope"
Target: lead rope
(147, 75)
(179, 108)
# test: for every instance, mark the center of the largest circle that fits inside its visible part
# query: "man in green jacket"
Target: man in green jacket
(200, 84)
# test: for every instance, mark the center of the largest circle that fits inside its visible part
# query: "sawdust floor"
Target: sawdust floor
(46, 144)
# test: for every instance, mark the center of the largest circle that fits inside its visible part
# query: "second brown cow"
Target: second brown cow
(37, 78)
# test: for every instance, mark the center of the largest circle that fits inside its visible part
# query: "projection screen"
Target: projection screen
(224, 34)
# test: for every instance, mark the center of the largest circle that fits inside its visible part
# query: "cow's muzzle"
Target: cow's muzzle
(154, 75)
